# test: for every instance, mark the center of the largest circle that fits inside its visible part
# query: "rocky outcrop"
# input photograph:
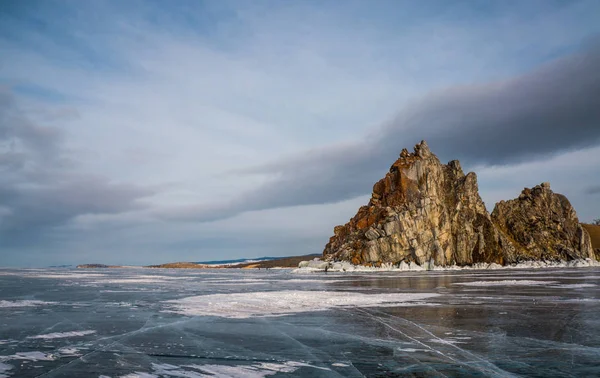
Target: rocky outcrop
(544, 224)
(427, 212)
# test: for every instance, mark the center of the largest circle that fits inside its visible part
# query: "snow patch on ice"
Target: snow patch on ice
(68, 275)
(130, 280)
(278, 303)
(259, 370)
(24, 303)
(4, 368)
(445, 341)
(69, 352)
(61, 335)
(29, 356)
(256, 370)
(508, 283)
(138, 374)
(576, 286)
(339, 364)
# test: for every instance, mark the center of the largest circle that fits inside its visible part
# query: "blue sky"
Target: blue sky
(154, 131)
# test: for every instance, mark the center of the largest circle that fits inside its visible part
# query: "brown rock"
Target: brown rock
(424, 211)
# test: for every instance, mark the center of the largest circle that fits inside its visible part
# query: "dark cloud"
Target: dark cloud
(550, 110)
(38, 190)
(593, 190)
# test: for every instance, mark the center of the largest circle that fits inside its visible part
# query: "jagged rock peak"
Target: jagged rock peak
(426, 212)
(422, 211)
(544, 224)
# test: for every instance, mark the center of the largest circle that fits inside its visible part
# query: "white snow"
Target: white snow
(508, 283)
(69, 352)
(130, 281)
(576, 286)
(445, 341)
(68, 275)
(61, 335)
(311, 267)
(23, 303)
(277, 303)
(259, 370)
(339, 364)
(138, 374)
(29, 356)
(256, 370)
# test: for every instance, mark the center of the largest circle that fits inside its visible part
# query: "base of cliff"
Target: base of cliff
(316, 265)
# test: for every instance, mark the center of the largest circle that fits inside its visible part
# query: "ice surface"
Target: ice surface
(508, 283)
(60, 335)
(395, 323)
(4, 368)
(276, 303)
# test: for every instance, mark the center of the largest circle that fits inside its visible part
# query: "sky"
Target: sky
(144, 132)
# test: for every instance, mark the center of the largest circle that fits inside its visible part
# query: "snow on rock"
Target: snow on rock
(344, 266)
(278, 303)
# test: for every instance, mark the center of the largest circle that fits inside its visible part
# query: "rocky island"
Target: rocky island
(427, 213)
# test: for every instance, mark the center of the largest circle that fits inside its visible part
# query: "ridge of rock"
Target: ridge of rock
(427, 212)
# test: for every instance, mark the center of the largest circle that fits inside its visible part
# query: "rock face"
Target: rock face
(594, 231)
(426, 212)
(544, 224)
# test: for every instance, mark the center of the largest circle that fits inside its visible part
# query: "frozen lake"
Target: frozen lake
(249, 323)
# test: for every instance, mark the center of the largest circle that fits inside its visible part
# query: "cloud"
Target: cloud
(39, 189)
(209, 110)
(593, 189)
(550, 110)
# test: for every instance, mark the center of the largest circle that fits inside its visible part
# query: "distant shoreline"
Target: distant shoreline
(283, 262)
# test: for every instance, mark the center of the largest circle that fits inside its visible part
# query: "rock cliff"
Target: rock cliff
(544, 225)
(427, 212)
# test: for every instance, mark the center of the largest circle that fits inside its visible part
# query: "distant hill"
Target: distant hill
(279, 262)
(238, 261)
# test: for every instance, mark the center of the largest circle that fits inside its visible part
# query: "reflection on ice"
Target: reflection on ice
(508, 283)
